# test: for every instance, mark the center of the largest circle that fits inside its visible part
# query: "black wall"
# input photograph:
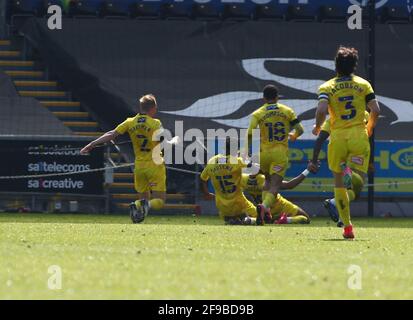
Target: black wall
(3, 5)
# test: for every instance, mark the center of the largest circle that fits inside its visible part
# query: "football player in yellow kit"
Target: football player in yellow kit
(345, 98)
(353, 181)
(283, 211)
(225, 173)
(277, 124)
(150, 172)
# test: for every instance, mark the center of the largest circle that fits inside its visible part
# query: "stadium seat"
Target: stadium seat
(366, 15)
(393, 14)
(117, 8)
(142, 10)
(66, 9)
(28, 7)
(87, 8)
(173, 11)
(21, 10)
(269, 12)
(332, 14)
(204, 11)
(301, 13)
(233, 11)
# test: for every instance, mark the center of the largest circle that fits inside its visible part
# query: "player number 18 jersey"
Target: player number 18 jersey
(275, 121)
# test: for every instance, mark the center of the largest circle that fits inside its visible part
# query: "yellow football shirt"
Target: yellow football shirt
(275, 121)
(143, 130)
(225, 173)
(327, 126)
(253, 185)
(347, 100)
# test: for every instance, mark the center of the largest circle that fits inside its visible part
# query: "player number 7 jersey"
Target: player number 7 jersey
(142, 130)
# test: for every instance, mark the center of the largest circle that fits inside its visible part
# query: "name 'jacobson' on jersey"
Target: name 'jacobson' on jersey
(143, 130)
(347, 101)
(275, 121)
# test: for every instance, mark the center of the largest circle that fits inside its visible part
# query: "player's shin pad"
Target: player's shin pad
(357, 184)
(268, 199)
(343, 205)
(351, 195)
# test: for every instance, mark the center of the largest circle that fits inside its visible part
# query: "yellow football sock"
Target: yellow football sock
(297, 219)
(156, 204)
(351, 195)
(268, 199)
(263, 195)
(357, 184)
(343, 205)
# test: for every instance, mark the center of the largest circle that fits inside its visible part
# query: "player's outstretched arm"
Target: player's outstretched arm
(298, 131)
(291, 184)
(204, 187)
(374, 107)
(320, 115)
(253, 125)
(322, 137)
(108, 136)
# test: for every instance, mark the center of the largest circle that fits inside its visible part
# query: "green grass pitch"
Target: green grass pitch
(107, 257)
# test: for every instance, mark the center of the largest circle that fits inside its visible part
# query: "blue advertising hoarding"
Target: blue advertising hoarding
(393, 163)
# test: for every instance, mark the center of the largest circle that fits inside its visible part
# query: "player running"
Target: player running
(225, 172)
(352, 180)
(345, 98)
(150, 172)
(275, 122)
(283, 211)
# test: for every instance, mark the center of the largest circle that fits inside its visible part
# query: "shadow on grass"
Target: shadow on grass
(344, 240)
(83, 218)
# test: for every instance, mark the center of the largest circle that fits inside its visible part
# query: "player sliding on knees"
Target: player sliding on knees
(225, 173)
(150, 172)
(345, 98)
(275, 122)
(283, 211)
(353, 181)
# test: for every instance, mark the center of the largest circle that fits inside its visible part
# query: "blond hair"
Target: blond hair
(146, 102)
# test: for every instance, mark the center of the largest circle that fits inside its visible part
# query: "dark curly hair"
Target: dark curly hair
(346, 60)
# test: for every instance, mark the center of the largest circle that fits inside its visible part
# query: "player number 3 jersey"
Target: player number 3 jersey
(347, 100)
